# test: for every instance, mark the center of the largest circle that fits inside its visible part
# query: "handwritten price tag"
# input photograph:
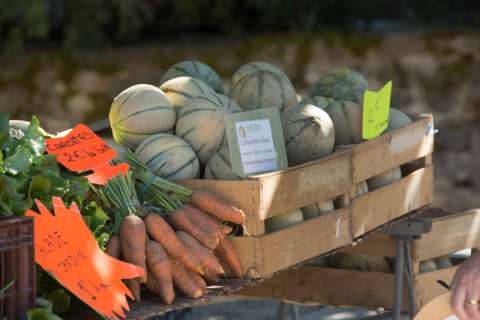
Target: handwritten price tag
(82, 150)
(376, 109)
(65, 247)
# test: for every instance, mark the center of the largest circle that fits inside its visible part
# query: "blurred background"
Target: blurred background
(66, 60)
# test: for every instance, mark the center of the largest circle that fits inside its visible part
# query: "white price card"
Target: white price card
(255, 141)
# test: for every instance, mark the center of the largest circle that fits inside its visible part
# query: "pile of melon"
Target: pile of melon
(177, 126)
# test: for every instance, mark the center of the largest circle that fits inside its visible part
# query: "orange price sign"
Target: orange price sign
(82, 150)
(65, 247)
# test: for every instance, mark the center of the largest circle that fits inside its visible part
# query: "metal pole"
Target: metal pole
(411, 289)
(399, 264)
(296, 313)
(281, 310)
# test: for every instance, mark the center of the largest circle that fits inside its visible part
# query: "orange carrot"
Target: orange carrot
(181, 221)
(164, 290)
(159, 229)
(210, 203)
(160, 267)
(204, 255)
(205, 221)
(134, 286)
(114, 248)
(230, 255)
(182, 281)
(132, 238)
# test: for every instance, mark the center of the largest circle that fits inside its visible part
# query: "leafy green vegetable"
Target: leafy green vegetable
(28, 173)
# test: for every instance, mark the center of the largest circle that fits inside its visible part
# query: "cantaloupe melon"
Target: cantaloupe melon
(385, 178)
(201, 123)
(321, 102)
(308, 132)
(347, 120)
(254, 66)
(317, 209)
(362, 263)
(340, 84)
(220, 167)
(263, 89)
(397, 119)
(283, 221)
(169, 157)
(180, 90)
(427, 266)
(443, 262)
(139, 112)
(360, 189)
(194, 69)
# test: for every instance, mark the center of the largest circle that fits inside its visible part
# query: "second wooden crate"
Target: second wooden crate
(310, 284)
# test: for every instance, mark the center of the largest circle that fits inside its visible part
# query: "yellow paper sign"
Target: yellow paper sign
(376, 109)
(437, 309)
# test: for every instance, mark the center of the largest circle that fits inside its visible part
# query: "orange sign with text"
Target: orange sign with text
(82, 150)
(66, 248)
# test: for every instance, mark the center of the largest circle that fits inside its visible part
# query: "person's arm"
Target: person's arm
(466, 290)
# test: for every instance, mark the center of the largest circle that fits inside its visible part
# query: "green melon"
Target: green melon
(180, 90)
(321, 102)
(139, 112)
(397, 119)
(319, 262)
(443, 262)
(220, 167)
(427, 266)
(340, 84)
(194, 69)
(255, 66)
(308, 132)
(360, 189)
(283, 221)
(347, 120)
(385, 178)
(201, 123)
(169, 157)
(317, 209)
(263, 89)
(362, 263)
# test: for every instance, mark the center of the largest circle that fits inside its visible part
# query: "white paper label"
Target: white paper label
(257, 150)
(453, 317)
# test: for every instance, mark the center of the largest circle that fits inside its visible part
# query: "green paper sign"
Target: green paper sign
(376, 110)
(255, 141)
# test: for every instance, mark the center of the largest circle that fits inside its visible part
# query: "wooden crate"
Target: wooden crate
(264, 196)
(267, 195)
(310, 284)
(410, 146)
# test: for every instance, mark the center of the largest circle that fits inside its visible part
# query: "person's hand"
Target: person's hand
(466, 290)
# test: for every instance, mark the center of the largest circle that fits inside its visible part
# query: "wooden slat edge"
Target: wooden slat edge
(323, 180)
(371, 158)
(276, 251)
(390, 202)
(449, 234)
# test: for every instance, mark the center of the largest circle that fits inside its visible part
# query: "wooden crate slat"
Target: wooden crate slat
(390, 202)
(426, 286)
(329, 286)
(376, 245)
(306, 184)
(265, 255)
(371, 158)
(449, 234)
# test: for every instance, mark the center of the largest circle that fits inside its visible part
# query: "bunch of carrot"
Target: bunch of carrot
(185, 246)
